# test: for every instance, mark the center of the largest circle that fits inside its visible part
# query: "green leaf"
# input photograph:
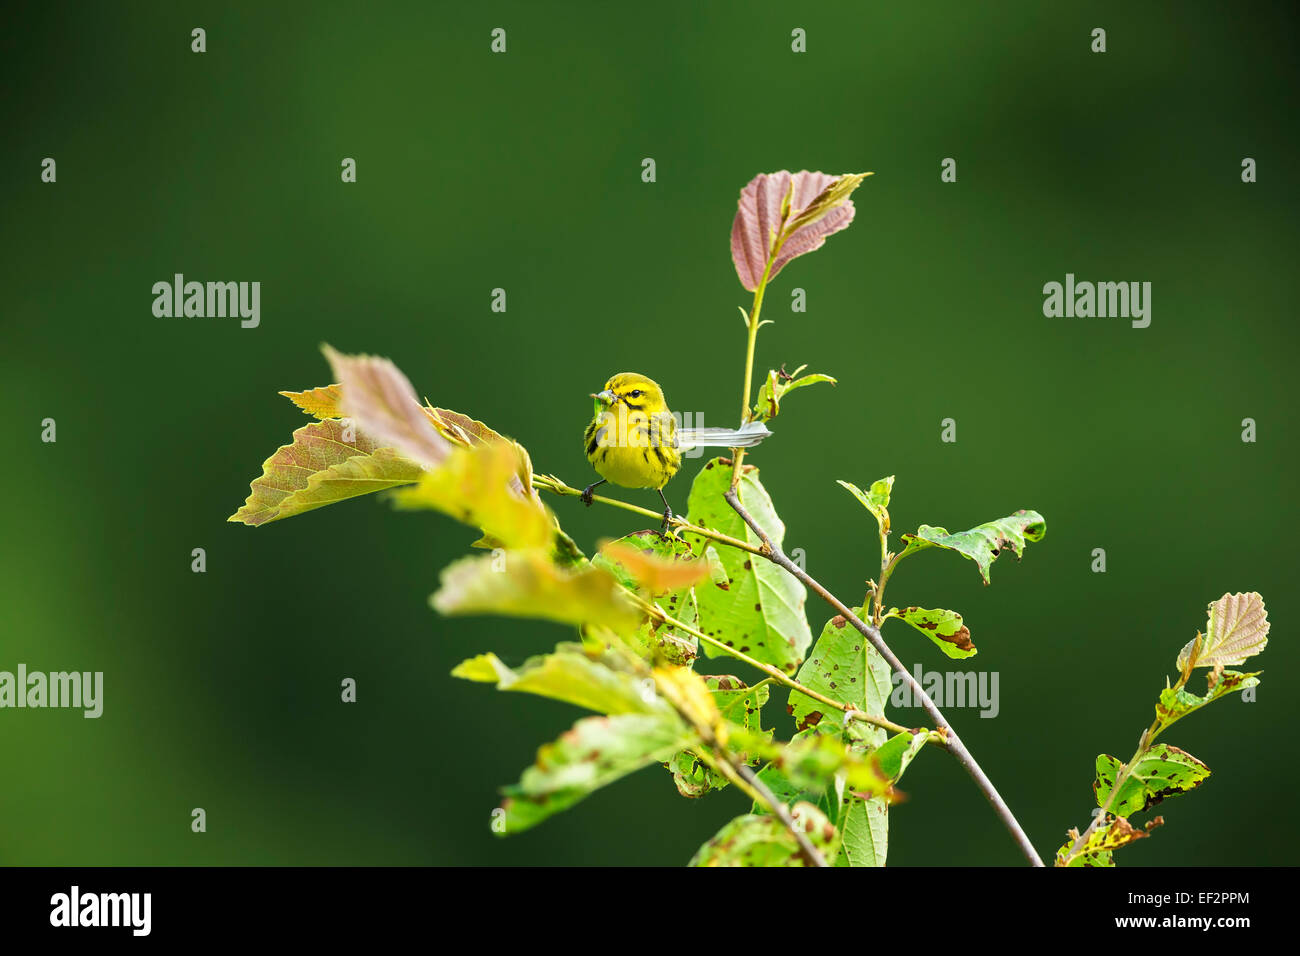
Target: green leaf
(896, 754)
(865, 825)
(875, 500)
(812, 763)
(845, 667)
(717, 570)
(865, 833)
(528, 584)
(788, 793)
(1102, 843)
(595, 752)
(740, 706)
(1177, 704)
(1160, 772)
(692, 776)
(777, 385)
(737, 703)
(1237, 629)
(984, 543)
(569, 674)
(762, 840)
(759, 608)
(322, 467)
(945, 628)
(654, 637)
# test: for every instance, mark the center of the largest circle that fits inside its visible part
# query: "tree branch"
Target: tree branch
(780, 676)
(872, 634)
(736, 770)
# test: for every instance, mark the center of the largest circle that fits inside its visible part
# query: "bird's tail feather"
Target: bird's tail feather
(744, 437)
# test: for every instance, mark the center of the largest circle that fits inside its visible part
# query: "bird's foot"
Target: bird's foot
(585, 497)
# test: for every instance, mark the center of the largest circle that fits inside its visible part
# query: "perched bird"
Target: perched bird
(634, 440)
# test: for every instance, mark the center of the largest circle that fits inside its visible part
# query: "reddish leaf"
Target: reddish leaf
(323, 465)
(818, 206)
(381, 399)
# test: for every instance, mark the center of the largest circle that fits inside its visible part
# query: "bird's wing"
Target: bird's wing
(744, 437)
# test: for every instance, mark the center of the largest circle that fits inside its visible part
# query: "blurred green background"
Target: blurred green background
(522, 171)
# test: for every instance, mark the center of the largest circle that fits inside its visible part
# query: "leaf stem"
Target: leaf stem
(730, 766)
(716, 763)
(809, 852)
(738, 457)
(887, 569)
(872, 634)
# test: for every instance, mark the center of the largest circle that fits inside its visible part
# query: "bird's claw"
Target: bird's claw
(585, 497)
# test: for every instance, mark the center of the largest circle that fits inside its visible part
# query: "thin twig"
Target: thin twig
(745, 779)
(1121, 777)
(1081, 841)
(809, 852)
(678, 523)
(775, 673)
(872, 634)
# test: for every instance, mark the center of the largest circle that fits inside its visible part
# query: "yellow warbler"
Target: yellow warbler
(635, 441)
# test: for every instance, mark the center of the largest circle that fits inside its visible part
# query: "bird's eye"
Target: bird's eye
(635, 393)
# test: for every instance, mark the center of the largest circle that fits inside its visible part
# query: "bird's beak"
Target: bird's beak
(606, 397)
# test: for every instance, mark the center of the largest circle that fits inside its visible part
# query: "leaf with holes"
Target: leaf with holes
(1103, 842)
(943, 627)
(761, 840)
(984, 543)
(1175, 704)
(662, 569)
(1161, 772)
(738, 705)
(758, 608)
(845, 667)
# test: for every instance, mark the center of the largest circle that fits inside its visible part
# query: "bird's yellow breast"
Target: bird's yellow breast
(633, 449)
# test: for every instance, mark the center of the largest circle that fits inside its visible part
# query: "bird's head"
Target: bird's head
(635, 391)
